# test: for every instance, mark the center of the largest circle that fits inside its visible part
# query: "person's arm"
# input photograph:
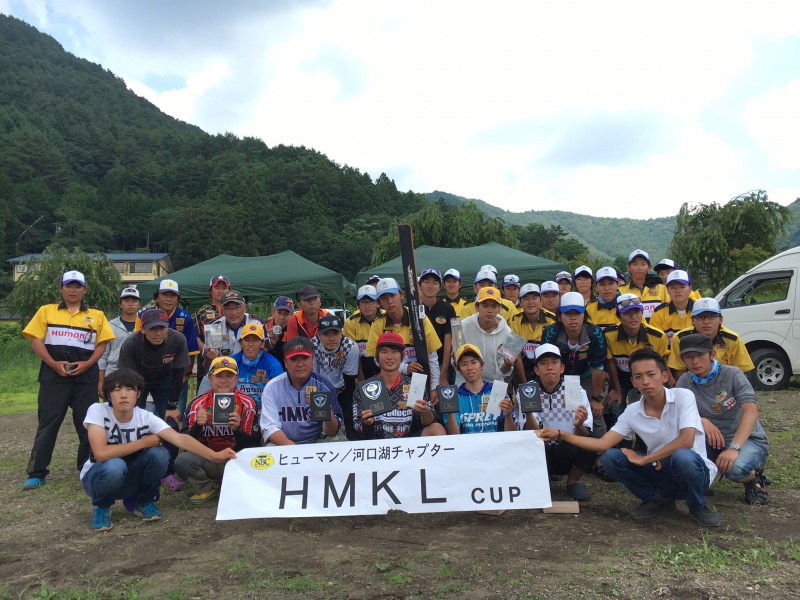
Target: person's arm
(176, 382)
(579, 422)
(451, 424)
(81, 366)
(598, 379)
(279, 439)
(190, 444)
(685, 439)
(615, 393)
(609, 440)
(102, 450)
(41, 351)
(520, 368)
(747, 421)
(508, 420)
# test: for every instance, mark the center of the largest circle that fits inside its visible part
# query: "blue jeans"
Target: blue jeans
(161, 396)
(752, 457)
(116, 479)
(682, 475)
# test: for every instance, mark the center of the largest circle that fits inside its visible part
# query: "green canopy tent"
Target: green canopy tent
(530, 268)
(259, 278)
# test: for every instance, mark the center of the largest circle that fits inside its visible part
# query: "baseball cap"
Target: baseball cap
(387, 285)
(168, 285)
(706, 305)
(469, 349)
(367, 291)
(696, 342)
(329, 322)
(251, 329)
(667, 263)
(298, 346)
(488, 293)
(391, 340)
(223, 363)
(486, 274)
(233, 296)
(283, 303)
(129, 292)
(452, 273)
(431, 271)
(529, 288)
(375, 278)
(154, 317)
(680, 277)
(217, 279)
(583, 269)
(626, 302)
(307, 292)
(546, 350)
(73, 276)
(562, 276)
(607, 273)
(511, 280)
(638, 252)
(571, 301)
(549, 286)
(489, 268)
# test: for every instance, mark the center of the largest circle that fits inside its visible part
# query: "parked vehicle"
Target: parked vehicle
(763, 307)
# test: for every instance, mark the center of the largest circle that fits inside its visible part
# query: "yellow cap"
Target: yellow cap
(252, 329)
(469, 348)
(488, 293)
(223, 363)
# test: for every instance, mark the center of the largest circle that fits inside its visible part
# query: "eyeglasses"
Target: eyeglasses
(706, 316)
(627, 303)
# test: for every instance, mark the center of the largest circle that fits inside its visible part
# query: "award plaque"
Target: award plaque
(513, 345)
(530, 399)
(375, 395)
(448, 399)
(224, 405)
(321, 406)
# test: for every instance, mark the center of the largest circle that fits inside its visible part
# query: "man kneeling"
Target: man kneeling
(203, 475)
(667, 421)
(127, 460)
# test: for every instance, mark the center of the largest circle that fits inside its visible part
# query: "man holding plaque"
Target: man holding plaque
(221, 418)
(401, 419)
(546, 405)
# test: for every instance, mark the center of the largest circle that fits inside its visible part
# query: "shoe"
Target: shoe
(765, 479)
(172, 483)
(205, 497)
(704, 516)
(648, 510)
(556, 478)
(33, 483)
(755, 491)
(578, 491)
(600, 472)
(102, 518)
(148, 512)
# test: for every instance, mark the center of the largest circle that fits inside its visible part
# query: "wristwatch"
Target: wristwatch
(735, 446)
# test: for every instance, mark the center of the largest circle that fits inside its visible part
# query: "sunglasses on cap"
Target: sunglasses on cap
(627, 303)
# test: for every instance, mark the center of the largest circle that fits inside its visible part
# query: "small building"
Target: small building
(133, 267)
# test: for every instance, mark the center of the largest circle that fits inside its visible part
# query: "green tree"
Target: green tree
(716, 243)
(41, 284)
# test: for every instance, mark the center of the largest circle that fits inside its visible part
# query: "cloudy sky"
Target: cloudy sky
(627, 108)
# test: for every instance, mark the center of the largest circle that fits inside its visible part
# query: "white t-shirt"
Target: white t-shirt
(679, 412)
(142, 424)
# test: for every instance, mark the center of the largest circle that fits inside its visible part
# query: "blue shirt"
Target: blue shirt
(472, 416)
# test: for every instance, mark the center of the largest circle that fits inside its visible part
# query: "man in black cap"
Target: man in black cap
(304, 323)
(233, 319)
(337, 359)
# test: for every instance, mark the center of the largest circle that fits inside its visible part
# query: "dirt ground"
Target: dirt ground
(48, 549)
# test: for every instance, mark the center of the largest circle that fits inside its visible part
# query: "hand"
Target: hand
(202, 417)
(59, 368)
(597, 408)
(173, 414)
(420, 406)
(234, 421)
(713, 435)
(223, 455)
(580, 416)
(726, 459)
(151, 441)
(366, 416)
(435, 397)
(79, 367)
(548, 434)
(210, 354)
(100, 389)
(506, 407)
(614, 397)
(507, 365)
(633, 458)
(415, 367)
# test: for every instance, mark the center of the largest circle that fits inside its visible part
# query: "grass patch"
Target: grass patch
(19, 374)
(705, 557)
(97, 588)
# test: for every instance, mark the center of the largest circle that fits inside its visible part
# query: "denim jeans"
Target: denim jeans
(160, 393)
(682, 475)
(116, 478)
(752, 457)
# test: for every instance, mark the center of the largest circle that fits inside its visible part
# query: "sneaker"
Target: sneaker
(755, 491)
(102, 518)
(148, 512)
(172, 483)
(33, 483)
(648, 510)
(578, 491)
(200, 498)
(704, 516)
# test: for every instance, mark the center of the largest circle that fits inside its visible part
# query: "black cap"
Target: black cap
(307, 292)
(696, 342)
(329, 322)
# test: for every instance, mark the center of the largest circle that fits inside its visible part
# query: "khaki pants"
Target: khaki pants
(199, 473)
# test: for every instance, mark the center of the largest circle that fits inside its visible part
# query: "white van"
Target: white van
(762, 306)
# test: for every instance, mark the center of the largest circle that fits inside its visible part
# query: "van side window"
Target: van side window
(759, 289)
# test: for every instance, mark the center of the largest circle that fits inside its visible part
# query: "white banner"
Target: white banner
(486, 471)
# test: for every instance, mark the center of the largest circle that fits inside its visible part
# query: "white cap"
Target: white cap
(607, 273)
(486, 274)
(530, 288)
(489, 268)
(169, 285)
(511, 280)
(706, 305)
(563, 275)
(388, 285)
(572, 301)
(680, 277)
(129, 292)
(583, 269)
(452, 273)
(368, 291)
(550, 286)
(667, 262)
(546, 349)
(638, 252)
(75, 276)
(626, 302)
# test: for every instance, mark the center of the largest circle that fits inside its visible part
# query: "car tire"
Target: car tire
(772, 371)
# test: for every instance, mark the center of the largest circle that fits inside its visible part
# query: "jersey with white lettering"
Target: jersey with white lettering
(141, 425)
(472, 416)
(219, 437)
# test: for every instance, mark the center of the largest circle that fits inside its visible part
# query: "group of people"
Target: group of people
(664, 403)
